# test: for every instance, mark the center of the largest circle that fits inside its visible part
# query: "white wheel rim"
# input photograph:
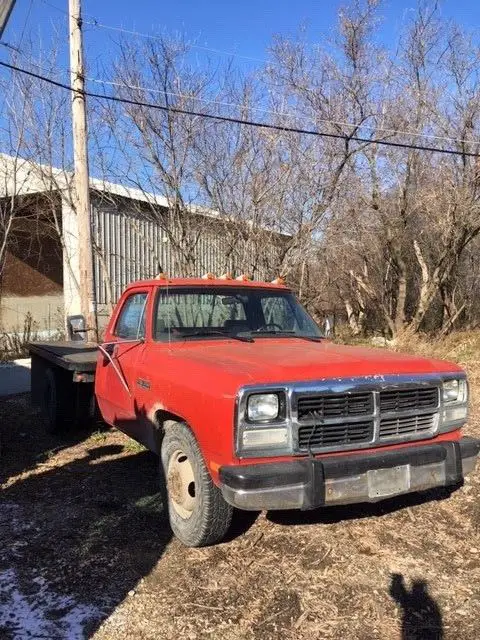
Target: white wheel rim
(181, 484)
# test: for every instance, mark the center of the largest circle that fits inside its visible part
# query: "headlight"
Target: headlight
(454, 391)
(263, 407)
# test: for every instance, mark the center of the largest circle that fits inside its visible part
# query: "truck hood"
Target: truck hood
(274, 360)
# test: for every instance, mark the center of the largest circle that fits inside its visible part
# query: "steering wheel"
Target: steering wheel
(266, 325)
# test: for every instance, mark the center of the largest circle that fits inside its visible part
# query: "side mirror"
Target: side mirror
(77, 328)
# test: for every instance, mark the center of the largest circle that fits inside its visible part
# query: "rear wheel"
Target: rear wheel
(54, 406)
(64, 404)
(198, 513)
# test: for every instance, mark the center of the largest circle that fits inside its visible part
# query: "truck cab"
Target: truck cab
(232, 384)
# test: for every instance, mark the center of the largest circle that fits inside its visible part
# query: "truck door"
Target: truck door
(115, 380)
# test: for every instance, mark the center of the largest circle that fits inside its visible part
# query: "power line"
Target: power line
(151, 36)
(282, 114)
(219, 103)
(51, 69)
(19, 44)
(49, 4)
(249, 123)
(237, 105)
(96, 23)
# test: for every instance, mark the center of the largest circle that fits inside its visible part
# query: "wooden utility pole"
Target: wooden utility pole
(81, 176)
(6, 7)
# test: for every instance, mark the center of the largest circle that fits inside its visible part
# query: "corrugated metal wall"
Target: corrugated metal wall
(129, 246)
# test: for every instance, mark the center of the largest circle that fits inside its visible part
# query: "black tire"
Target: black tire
(85, 406)
(210, 516)
(55, 411)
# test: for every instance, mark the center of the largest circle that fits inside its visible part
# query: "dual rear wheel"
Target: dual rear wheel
(64, 404)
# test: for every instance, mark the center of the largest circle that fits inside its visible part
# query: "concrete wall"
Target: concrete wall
(46, 312)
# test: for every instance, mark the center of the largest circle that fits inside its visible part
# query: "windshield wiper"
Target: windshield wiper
(292, 334)
(213, 332)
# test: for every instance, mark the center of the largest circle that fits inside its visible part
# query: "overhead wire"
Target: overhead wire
(96, 23)
(101, 25)
(283, 114)
(25, 24)
(242, 122)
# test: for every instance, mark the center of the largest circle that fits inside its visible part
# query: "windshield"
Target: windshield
(200, 312)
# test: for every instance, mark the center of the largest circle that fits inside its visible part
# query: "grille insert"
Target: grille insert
(409, 399)
(407, 425)
(366, 417)
(335, 405)
(328, 435)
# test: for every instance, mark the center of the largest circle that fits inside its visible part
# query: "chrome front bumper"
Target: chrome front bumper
(315, 482)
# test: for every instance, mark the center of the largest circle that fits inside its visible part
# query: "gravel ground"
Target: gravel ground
(85, 551)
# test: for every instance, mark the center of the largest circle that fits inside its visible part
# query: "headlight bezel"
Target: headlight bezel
(453, 412)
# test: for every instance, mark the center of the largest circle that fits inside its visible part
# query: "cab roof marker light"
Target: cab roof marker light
(279, 280)
(208, 276)
(161, 276)
(243, 278)
(226, 276)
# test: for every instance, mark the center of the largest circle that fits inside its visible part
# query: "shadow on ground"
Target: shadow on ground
(76, 537)
(421, 615)
(24, 441)
(331, 515)
(81, 523)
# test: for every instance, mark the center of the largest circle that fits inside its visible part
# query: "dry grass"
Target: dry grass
(85, 517)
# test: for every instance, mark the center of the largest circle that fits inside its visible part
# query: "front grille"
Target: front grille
(362, 418)
(335, 405)
(406, 425)
(328, 435)
(409, 399)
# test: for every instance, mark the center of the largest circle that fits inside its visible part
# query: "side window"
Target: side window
(131, 321)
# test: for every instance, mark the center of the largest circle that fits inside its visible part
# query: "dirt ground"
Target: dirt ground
(85, 551)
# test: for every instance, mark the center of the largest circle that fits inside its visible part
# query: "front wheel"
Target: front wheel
(199, 515)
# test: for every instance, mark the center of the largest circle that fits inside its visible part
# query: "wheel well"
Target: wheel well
(164, 419)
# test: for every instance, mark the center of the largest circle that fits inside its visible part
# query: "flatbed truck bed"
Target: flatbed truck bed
(69, 355)
(62, 380)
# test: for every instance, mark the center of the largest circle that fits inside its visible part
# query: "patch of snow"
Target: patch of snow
(15, 377)
(21, 362)
(44, 614)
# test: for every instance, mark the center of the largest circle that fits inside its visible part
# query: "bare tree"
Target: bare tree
(415, 212)
(155, 148)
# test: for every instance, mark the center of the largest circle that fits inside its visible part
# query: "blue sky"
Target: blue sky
(243, 28)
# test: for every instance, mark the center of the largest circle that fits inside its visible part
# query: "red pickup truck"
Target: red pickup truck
(231, 383)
